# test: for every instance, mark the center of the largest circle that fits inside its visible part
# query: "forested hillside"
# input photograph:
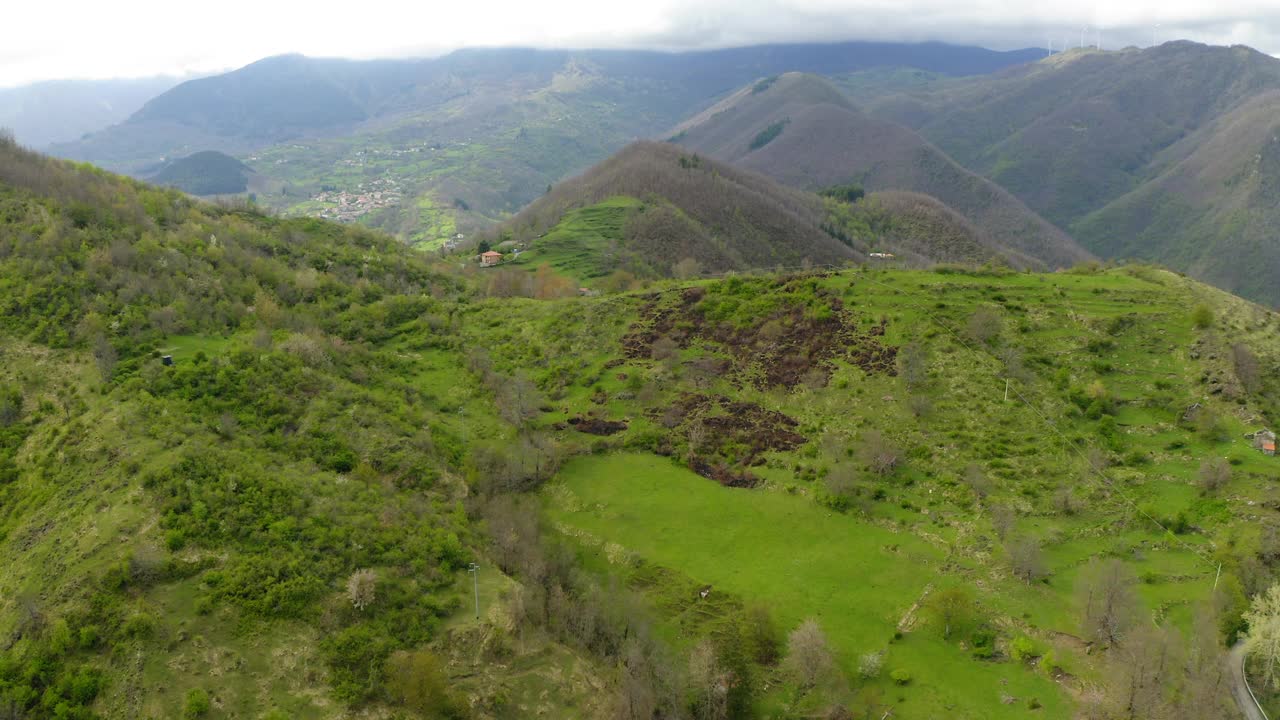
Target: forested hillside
(205, 173)
(246, 463)
(801, 130)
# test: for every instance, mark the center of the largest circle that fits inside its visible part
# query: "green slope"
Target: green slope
(337, 404)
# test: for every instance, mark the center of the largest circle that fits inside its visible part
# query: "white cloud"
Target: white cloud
(49, 39)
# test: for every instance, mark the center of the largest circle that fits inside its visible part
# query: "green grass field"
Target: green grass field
(858, 579)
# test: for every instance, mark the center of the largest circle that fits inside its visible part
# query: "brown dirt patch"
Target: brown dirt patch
(722, 439)
(788, 346)
(597, 426)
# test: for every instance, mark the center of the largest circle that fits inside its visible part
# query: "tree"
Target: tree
(879, 453)
(983, 325)
(10, 406)
(361, 587)
(686, 269)
(709, 682)
(104, 354)
(548, 284)
(1202, 316)
(977, 481)
(1026, 559)
(913, 365)
(1263, 640)
(809, 660)
(518, 400)
(1248, 369)
(951, 608)
(1109, 602)
(1215, 473)
(637, 699)
(416, 681)
(1003, 518)
(870, 665)
(762, 638)
(841, 481)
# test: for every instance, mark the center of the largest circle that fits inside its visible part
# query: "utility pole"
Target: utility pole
(1215, 577)
(1006, 389)
(475, 584)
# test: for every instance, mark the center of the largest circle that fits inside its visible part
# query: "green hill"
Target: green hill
(653, 205)
(205, 173)
(654, 211)
(247, 461)
(801, 130)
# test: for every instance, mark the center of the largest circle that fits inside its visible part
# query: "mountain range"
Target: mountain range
(62, 111)
(471, 137)
(1159, 154)
(820, 139)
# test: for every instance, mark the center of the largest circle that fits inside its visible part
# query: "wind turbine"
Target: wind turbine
(1153, 34)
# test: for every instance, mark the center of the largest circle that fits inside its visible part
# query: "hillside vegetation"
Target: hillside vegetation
(246, 462)
(816, 138)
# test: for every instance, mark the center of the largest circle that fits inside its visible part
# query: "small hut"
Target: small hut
(1265, 440)
(490, 258)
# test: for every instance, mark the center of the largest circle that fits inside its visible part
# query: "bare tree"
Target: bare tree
(913, 364)
(1109, 601)
(879, 453)
(1064, 503)
(1215, 473)
(361, 587)
(686, 269)
(104, 354)
(977, 481)
(518, 401)
(1248, 369)
(809, 660)
(637, 699)
(841, 480)
(1003, 519)
(1027, 560)
(984, 325)
(709, 682)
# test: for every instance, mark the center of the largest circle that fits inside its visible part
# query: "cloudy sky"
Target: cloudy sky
(50, 39)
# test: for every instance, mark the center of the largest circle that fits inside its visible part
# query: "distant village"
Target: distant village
(347, 206)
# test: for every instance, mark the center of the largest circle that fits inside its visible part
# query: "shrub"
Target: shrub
(900, 676)
(197, 704)
(870, 665)
(1202, 316)
(1022, 648)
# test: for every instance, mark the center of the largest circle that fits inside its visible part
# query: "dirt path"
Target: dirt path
(1239, 688)
(909, 619)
